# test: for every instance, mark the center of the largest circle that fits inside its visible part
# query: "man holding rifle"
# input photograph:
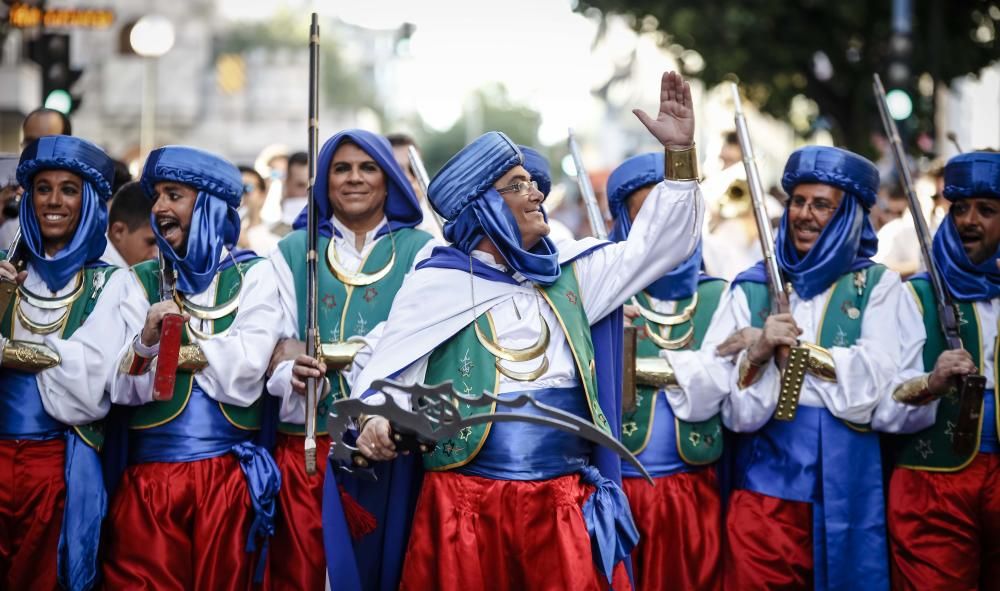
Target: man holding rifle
(807, 506)
(198, 499)
(944, 504)
(367, 215)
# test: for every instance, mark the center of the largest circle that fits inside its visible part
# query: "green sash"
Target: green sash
(345, 310)
(91, 433)
(156, 413)
(842, 318)
(931, 449)
(472, 370)
(698, 442)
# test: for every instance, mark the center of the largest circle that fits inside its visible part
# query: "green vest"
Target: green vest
(345, 310)
(931, 449)
(159, 412)
(472, 370)
(697, 443)
(842, 318)
(92, 433)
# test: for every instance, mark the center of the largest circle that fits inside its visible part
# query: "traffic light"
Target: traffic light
(51, 52)
(899, 76)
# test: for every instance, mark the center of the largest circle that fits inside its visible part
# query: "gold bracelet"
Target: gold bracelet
(820, 363)
(914, 391)
(681, 165)
(28, 357)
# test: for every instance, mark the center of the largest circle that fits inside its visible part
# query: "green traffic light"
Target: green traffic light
(59, 100)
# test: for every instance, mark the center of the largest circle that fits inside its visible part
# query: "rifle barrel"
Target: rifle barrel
(598, 221)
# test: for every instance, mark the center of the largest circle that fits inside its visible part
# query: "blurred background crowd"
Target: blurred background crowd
(231, 76)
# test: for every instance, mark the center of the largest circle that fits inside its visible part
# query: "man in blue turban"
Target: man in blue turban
(515, 505)
(944, 504)
(368, 243)
(673, 425)
(807, 506)
(197, 503)
(59, 339)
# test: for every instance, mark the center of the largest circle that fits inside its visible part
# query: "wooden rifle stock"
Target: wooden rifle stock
(970, 388)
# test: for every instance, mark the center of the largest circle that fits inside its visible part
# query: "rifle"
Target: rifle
(793, 360)
(423, 179)
(970, 388)
(171, 328)
(9, 286)
(598, 219)
(312, 256)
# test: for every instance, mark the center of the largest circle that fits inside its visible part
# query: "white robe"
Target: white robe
(435, 304)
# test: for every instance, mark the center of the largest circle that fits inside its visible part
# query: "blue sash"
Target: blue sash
(660, 455)
(22, 415)
(988, 442)
(523, 451)
(201, 432)
(818, 459)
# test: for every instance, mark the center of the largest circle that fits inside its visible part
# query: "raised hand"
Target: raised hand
(674, 125)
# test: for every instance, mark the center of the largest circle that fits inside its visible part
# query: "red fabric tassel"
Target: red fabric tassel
(359, 521)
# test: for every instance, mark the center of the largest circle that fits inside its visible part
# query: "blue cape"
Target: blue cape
(402, 210)
(62, 152)
(848, 241)
(215, 222)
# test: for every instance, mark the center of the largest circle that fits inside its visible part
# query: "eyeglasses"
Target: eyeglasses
(821, 208)
(521, 188)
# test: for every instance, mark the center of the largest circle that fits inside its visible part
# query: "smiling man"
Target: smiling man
(368, 214)
(198, 498)
(944, 506)
(806, 511)
(516, 505)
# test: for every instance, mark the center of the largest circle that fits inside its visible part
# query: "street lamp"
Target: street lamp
(151, 37)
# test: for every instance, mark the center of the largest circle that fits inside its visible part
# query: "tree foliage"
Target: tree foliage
(774, 47)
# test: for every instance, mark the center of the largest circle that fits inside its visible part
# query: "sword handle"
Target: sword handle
(171, 328)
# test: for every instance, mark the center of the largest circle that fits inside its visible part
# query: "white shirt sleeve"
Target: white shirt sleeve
(663, 235)
(703, 376)
(125, 389)
(73, 392)
(896, 417)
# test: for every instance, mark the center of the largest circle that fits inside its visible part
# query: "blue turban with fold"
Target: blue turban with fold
(462, 192)
(969, 175)
(402, 210)
(848, 240)
(63, 152)
(538, 167)
(635, 173)
(214, 222)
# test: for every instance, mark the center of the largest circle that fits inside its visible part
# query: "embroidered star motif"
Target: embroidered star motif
(924, 448)
(465, 433)
(950, 430)
(449, 448)
(329, 302)
(571, 296)
(629, 428)
(370, 294)
(466, 367)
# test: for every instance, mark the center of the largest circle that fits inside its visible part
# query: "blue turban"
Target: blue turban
(635, 173)
(538, 167)
(970, 175)
(214, 221)
(847, 242)
(402, 210)
(63, 152)
(462, 192)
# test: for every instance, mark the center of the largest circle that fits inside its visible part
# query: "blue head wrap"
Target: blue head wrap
(974, 174)
(402, 210)
(848, 240)
(63, 152)
(538, 167)
(635, 173)
(462, 192)
(214, 221)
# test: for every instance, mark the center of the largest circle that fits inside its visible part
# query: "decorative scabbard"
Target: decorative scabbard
(28, 357)
(792, 379)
